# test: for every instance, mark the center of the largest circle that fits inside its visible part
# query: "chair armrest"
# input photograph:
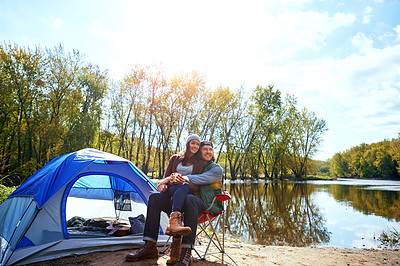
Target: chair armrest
(224, 196)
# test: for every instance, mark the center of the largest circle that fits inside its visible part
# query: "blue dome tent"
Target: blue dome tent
(88, 184)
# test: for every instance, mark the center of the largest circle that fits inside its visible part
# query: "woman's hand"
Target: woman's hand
(162, 187)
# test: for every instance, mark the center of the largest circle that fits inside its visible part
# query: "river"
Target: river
(342, 213)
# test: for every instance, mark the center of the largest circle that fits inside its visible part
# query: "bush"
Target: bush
(5, 191)
(391, 238)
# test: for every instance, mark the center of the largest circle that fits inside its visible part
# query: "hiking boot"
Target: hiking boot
(175, 250)
(185, 257)
(175, 225)
(149, 250)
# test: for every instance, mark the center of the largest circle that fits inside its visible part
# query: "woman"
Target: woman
(172, 191)
(176, 187)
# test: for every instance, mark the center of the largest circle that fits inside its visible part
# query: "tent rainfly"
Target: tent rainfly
(87, 184)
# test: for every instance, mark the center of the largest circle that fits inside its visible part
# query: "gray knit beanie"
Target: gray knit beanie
(192, 136)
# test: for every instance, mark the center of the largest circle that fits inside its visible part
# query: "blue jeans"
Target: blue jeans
(161, 202)
(177, 194)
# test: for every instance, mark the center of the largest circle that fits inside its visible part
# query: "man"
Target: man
(192, 208)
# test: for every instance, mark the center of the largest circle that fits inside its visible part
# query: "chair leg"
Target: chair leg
(213, 238)
(223, 235)
(208, 223)
(165, 247)
(214, 235)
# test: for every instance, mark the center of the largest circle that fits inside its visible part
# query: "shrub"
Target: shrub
(391, 238)
(5, 191)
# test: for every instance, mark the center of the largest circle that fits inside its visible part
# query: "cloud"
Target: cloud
(367, 15)
(54, 22)
(397, 30)
(362, 42)
(358, 95)
(251, 33)
(97, 29)
(251, 46)
(284, 34)
(57, 22)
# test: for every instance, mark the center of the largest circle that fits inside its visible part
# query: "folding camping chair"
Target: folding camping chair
(208, 225)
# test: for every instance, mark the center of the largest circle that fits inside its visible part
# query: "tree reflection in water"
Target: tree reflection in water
(276, 213)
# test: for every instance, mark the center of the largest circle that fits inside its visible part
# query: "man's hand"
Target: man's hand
(177, 178)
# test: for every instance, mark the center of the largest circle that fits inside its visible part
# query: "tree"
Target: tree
(53, 102)
(266, 111)
(61, 95)
(128, 108)
(377, 160)
(21, 83)
(50, 105)
(339, 166)
(176, 111)
(84, 119)
(278, 165)
(307, 136)
(394, 152)
(385, 164)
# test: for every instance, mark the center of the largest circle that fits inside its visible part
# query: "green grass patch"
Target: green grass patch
(5, 192)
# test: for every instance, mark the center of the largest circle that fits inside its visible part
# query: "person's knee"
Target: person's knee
(155, 198)
(185, 186)
(190, 202)
(190, 198)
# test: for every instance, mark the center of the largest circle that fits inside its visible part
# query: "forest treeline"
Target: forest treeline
(377, 160)
(53, 102)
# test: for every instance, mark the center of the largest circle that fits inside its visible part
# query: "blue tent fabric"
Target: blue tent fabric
(87, 174)
(41, 187)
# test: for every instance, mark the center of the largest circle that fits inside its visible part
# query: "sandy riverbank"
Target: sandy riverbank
(246, 254)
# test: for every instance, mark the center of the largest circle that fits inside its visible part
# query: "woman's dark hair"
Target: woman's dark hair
(195, 160)
(198, 163)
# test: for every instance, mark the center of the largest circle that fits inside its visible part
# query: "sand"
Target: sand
(246, 254)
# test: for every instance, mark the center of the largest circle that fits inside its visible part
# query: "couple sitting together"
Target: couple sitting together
(182, 193)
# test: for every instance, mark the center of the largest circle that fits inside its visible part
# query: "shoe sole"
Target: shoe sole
(142, 258)
(172, 263)
(179, 233)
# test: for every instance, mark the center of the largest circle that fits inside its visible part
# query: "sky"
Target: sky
(339, 58)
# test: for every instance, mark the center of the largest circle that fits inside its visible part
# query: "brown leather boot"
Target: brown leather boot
(175, 250)
(185, 257)
(175, 225)
(149, 250)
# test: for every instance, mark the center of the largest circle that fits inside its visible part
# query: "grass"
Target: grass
(5, 192)
(390, 239)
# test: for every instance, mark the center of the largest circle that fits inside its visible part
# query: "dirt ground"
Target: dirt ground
(246, 254)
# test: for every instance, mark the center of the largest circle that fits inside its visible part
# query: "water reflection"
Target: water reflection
(339, 213)
(275, 214)
(368, 200)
